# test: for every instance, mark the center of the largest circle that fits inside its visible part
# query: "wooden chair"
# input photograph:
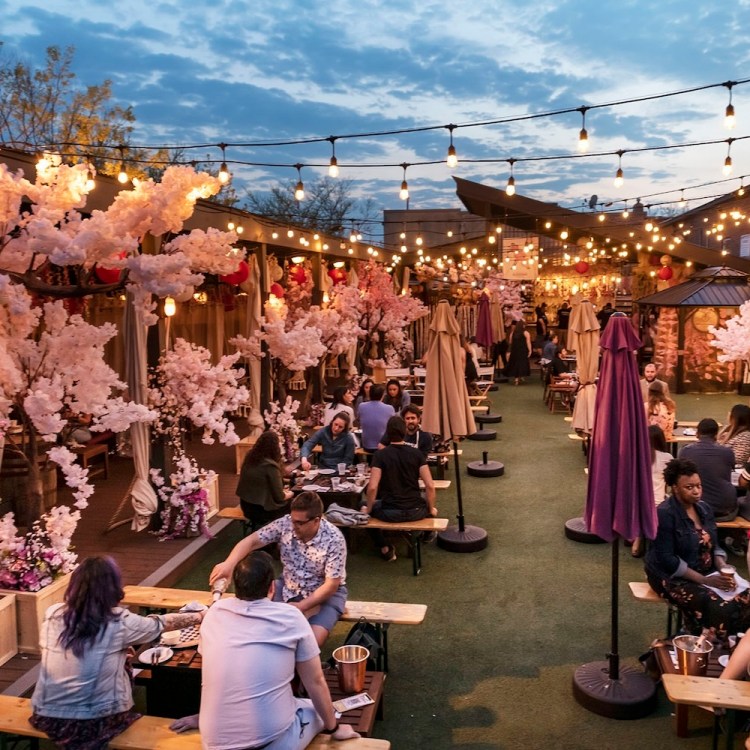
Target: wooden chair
(560, 393)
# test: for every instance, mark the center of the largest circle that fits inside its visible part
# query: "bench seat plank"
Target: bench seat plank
(152, 732)
(737, 523)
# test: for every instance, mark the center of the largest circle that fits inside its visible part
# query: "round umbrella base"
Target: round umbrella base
(632, 696)
(493, 387)
(471, 539)
(486, 470)
(576, 531)
(483, 435)
(488, 419)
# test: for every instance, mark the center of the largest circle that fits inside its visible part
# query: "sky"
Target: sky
(272, 70)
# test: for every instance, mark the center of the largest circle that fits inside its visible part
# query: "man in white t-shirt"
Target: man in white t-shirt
(251, 647)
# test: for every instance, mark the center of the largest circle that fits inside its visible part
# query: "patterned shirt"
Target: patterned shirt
(307, 564)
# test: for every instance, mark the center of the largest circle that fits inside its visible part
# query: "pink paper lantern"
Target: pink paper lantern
(665, 273)
(298, 274)
(582, 266)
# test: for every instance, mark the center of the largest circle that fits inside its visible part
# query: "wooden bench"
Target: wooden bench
(382, 614)
(147, 733)
(414, 530)
(642, 592)
(89, 451)
(735, 523)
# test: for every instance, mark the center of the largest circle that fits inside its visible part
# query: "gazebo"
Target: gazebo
(682, 351)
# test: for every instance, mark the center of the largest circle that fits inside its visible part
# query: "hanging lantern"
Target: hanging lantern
(666, 260)
(582, 266)
(298, 274)
(337, 275)
(277, 290)
(665, 273)
(109, 275)
(240, 275)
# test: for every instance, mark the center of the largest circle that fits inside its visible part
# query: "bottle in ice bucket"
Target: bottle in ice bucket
(219, 587)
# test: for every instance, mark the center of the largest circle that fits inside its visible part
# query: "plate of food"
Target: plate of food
(690, 432)
(326, 472)
(724, 660)
(156, 655)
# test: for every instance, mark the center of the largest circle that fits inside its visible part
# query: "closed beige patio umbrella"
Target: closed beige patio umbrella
(447, 412)
(584, 333)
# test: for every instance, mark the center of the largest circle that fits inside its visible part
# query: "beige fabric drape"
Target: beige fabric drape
(447, 409)
(142, 493)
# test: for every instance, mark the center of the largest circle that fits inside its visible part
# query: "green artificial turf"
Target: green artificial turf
(492, 665)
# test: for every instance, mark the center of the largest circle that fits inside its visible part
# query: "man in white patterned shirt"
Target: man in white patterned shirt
(313, 553)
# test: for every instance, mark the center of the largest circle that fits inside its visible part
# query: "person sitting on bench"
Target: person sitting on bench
(336, 442)
(420, 439)
(251, 646)
(313, 553)
(393, 493)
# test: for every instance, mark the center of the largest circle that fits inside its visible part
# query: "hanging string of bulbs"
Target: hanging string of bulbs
(451, 160)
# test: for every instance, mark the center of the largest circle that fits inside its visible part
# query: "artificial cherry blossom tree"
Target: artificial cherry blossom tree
(52, 363)
(734, 338)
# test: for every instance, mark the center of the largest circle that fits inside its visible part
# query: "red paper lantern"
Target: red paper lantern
(338, 275)
(277, 290)
(665, 273)
(298, 274)
(240, 275)
(582, 266)
(109, 275)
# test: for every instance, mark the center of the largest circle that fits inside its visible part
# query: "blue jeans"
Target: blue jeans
(394, 515)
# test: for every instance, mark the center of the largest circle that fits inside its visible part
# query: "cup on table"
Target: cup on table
(728, 571)
(170, 637)
(335, 482)
(342, 469)
(361, 469)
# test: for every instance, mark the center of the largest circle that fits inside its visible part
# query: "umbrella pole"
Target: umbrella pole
(614, 656)
(461, 538)
(461, 521)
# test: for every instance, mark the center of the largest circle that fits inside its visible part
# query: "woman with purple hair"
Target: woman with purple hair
(83, 697)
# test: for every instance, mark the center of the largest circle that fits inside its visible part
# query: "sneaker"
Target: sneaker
(390, 554)
(730, 546)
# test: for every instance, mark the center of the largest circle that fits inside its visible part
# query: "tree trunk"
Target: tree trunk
(34, 489)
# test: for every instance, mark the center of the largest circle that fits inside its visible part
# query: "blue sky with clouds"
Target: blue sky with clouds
(283, 69)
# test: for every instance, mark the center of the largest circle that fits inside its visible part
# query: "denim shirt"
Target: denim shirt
(335, 450)
(675, 548)
(95, 685)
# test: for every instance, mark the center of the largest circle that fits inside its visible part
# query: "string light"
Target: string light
(90, 175)
(122, 175)
(299, 189)
(333, 165)
(583, 136)
(224, 175)
(727, 168)
(510, 188)
(619, 179)
(683, 202)
(404, 192)
(452, 160)
(729, 119)
(741, 189)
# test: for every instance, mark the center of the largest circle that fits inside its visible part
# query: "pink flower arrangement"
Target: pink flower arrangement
(734, 338)
(33, 561)
(283, 421)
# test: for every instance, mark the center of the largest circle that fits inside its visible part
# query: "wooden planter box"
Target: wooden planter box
(30, 609)
(8, 638)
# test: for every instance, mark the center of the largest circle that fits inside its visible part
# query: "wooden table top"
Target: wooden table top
(707, 691)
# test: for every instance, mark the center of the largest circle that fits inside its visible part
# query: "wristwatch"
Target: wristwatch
(330, 731)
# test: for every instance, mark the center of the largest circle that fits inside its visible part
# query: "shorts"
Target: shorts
(330, 611)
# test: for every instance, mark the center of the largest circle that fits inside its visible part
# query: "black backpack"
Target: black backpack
(369, 635)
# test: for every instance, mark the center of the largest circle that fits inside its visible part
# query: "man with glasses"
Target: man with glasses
(313, 553)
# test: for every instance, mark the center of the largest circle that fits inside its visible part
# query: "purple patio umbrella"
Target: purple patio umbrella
(619, 503)
(484, 335)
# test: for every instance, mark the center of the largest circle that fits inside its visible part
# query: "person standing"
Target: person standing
(519, 344)
(604, 315)
(563, 322)
(649, 377)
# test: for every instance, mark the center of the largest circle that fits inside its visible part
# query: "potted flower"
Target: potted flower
(283, 421)
(36, 567)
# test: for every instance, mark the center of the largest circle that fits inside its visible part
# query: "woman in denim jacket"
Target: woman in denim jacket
(84, 694)
(684, 561)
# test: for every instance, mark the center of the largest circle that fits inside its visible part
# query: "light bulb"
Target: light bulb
(727, 168)
(564, 234)
(583, 141)
(353, 237)
(510, 188)
(333, 167)
(122, 175)
(299, 191)
(419, 240)
(619, 178)
(729, 119)
(170, 308)
(404, 192)
(224, 175)
(452, 160)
